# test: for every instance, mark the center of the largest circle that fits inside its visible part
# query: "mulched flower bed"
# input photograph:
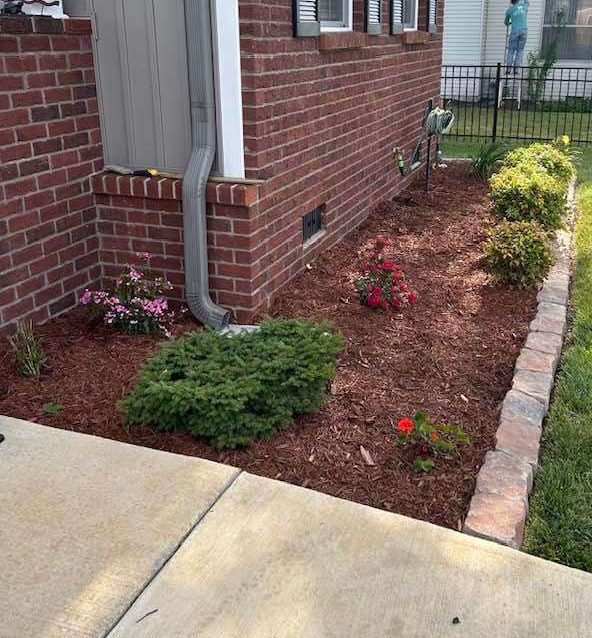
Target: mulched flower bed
(450, 355)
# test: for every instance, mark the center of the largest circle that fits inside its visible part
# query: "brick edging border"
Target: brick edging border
(499, 507)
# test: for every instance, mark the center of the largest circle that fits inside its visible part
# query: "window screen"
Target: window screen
(410, 14)
(568, 25)
(333, 12)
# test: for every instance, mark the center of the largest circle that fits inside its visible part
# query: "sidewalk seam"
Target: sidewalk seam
(192, 528)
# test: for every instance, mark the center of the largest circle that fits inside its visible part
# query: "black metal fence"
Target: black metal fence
(497, 102)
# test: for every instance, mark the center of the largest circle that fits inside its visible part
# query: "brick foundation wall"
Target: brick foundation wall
(321, 122)
(50, 144)
(136, 214)
(321, 116)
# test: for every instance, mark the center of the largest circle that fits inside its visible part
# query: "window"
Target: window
(335, 15)
(568, 26)
(410, 15)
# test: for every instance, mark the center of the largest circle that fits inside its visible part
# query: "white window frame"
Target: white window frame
(416, 21)
(335, 27)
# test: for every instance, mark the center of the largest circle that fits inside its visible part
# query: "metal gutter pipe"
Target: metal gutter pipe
(203, 131)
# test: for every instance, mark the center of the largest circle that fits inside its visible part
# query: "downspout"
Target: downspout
(203, 133)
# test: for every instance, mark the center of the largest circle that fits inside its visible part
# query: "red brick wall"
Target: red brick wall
(144, 215)
(49, 145)
(320, 126)
(321, 115)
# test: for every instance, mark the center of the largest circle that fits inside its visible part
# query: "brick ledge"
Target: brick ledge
(225, 192)
(415, 37)
(338, 41)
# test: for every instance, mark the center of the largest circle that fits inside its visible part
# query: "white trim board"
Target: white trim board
(227, 76)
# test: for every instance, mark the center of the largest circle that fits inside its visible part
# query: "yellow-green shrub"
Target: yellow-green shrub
(518, 252)
(524, 193)
(545, 157)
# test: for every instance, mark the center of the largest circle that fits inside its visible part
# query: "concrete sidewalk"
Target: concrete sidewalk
(101, 539)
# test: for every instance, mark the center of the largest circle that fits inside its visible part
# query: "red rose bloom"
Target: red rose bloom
(374, 301)
(412, 297)
(388, 266)
(406, 426)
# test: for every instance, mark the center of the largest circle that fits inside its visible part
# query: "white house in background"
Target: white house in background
(475, 34)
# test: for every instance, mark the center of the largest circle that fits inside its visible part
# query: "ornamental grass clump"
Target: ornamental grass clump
(518, 253)
(30, 358)
(232, 390)
(429, 439)
(382, 284)
(526, 193)
(136, 304)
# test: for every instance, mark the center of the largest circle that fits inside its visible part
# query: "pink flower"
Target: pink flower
(86, 297)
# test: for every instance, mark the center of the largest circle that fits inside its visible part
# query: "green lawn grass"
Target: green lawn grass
(560, 522)
(478, 121)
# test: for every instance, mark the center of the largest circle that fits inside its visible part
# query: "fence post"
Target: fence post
(498, 81)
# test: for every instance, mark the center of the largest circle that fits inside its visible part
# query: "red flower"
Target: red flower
(412, 297)
(374, 301)
(376, 291)
(388, 266)
(404, 287)
(406, 426)
(424, 448)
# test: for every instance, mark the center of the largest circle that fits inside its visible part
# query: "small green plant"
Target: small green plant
(526, 193)
(30, 358)
(545, 157)
(232, 390)
(429, 439)
(52, 408)
(485, 161)
(518, 252)
(539, 67)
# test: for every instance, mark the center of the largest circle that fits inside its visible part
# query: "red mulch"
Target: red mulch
(451, 355)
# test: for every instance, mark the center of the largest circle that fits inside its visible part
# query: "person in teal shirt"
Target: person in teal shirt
(516, 19)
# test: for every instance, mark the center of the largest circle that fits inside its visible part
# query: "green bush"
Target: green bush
(524, 193)
(545, 157)
(518, 252)
(232, 390)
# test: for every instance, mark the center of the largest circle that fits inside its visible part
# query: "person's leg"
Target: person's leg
(520, 44)
(512, 43)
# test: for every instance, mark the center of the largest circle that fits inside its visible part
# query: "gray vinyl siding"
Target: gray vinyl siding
(142, 79)
(462, 32)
